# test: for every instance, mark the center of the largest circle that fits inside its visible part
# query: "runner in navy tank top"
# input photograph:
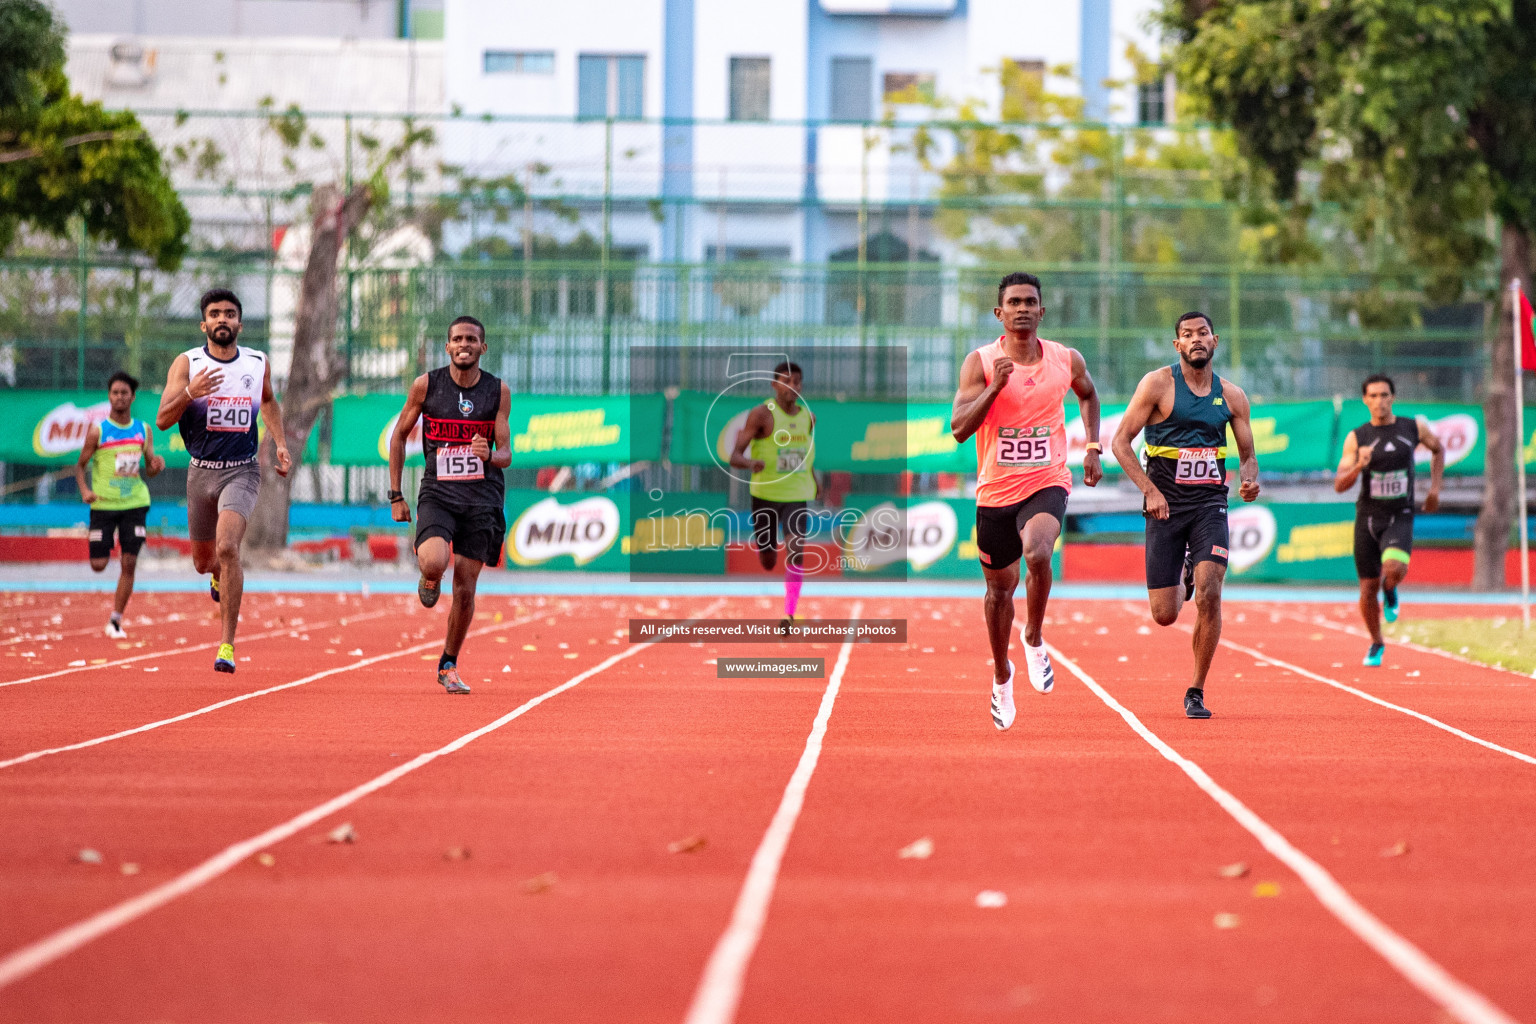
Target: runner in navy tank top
(460, 508)
(1186, 410)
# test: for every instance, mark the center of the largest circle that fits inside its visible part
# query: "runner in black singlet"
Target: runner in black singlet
(461, 505)
(1380, 454)
(1186, 409)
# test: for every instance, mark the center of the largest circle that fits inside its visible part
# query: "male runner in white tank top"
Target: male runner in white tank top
(213, 392)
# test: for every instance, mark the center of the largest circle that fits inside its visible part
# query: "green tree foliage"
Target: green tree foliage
(1420, 117)
(62, 158)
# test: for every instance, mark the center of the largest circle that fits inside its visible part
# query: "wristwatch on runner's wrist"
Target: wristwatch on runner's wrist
(395, 496)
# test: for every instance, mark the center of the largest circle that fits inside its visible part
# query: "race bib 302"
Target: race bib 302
(1198, 466)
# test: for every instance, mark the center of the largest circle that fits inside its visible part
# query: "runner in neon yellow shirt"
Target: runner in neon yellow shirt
(117, 450)
(781, 433)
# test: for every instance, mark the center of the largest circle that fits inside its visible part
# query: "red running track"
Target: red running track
(571, 907)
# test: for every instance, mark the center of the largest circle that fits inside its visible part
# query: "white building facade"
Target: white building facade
(753, 124)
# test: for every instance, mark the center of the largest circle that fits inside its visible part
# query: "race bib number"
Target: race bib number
(1390, 485)
(127, 464)
(791, 460)
(1024, 447)
(230, 415)
(1198, 466)
(460, 463)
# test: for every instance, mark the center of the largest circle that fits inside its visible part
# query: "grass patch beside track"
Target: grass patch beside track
(1498, 641)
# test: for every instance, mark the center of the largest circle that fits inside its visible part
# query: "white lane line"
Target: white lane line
(61, 943)
(1455, 997)
(190, 648)
(1298, 670)
(364, 663)
(719, 991)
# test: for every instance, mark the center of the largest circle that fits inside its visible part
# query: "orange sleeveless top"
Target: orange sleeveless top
(1021, 447)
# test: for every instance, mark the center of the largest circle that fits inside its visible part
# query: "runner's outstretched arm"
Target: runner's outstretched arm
(1428, 439)
(1242, 433)
(404, 424)
(272, 416)
(974, 396)
(1145, 402)
(1088, 404)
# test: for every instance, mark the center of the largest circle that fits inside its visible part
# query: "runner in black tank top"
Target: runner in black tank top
(460, 509)
(1186, 410)
(1381, 453)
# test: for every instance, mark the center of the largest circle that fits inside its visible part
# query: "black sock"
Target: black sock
(447, 661)
(1195, 691)
(117, 618)
(1391, 593)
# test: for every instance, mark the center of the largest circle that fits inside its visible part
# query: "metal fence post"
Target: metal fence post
(84, 281)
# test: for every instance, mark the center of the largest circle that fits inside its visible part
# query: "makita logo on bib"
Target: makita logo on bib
(465, 405)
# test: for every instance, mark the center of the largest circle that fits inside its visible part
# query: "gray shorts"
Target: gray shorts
(211, 491)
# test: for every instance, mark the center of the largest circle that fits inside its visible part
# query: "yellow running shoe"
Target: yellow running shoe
(225, 662)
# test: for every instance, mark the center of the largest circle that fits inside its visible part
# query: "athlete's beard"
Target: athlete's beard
(1198, 362)
(222, 335)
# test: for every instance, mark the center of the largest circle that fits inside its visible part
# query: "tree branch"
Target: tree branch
(12, 156)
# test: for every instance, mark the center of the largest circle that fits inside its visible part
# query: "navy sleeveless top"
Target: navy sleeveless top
(1186, 454)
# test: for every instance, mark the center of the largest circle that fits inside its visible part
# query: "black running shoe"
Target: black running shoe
(1194, 704)
(428, 595)
(1189, 574)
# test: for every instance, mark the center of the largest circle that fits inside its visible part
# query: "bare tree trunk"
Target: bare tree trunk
(1491, 536)
(317, 368)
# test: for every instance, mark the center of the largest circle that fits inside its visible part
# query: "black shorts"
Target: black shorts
(999, 539)
(1202, 530)
(126, 523)
(1374, 533)
(474, 531)
(769, 516)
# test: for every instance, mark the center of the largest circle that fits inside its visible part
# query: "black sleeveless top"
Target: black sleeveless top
(451, 416)
(1386, 485)
(1186, 453)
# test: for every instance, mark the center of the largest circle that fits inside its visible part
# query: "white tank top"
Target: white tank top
(221, 427)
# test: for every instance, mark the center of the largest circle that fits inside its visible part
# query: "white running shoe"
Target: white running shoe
(1002, 702)
(1041, 676)
(115, 631)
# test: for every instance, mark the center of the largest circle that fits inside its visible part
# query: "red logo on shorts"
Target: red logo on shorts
(1218, 550)
(985, 557)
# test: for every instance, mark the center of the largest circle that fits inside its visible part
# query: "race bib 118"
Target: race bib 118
(1198, 466)
(1024, 447)
(459, 463)
(1390, 485)
(232, 415)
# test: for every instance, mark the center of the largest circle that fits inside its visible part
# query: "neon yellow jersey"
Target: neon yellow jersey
(115, 467)
(788, 455)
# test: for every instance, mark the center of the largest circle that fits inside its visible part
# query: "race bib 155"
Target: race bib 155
(459, 463)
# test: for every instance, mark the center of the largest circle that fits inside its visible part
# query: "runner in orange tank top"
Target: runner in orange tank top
(1010, 396)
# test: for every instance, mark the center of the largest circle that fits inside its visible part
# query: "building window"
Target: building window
(909, 87)
(749, 88)
(609, 86)
(1023, 86)
(519, 62)
(1152, 102)
(853, 80)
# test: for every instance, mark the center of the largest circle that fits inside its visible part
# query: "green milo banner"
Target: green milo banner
(617, 532)
(547, 430)
(49, 427)
(913, 538)
(860, 437)
(1290, 543)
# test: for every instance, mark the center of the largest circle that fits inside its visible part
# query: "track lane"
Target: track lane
(1108, 860)
(1346, 780)
(593, 787)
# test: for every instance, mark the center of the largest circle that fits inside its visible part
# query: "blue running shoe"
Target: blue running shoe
(1373, 656)
(1389, 604)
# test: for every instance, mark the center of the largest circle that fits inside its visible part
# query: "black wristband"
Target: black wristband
(395, 496)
